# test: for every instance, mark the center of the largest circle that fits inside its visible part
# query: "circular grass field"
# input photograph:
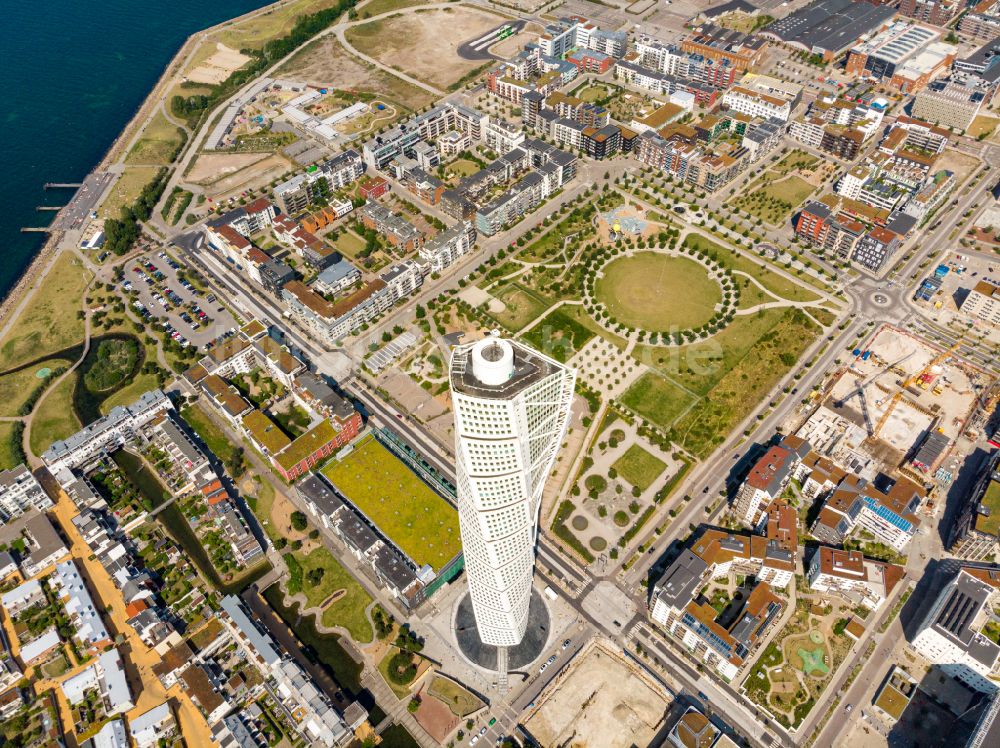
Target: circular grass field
(654, 292)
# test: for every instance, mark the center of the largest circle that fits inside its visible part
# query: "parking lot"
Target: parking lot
(193, 317)
(964, 270)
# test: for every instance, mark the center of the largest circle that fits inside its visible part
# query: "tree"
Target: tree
(299, 521)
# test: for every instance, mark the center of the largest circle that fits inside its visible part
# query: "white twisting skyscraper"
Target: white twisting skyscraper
(511, 407)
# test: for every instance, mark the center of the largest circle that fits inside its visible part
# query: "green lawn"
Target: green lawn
(559, 335)
(651, 291)
(592, 93)
(49, 322)
(522, 307)
(198, 419)
(774, 197)
(349, 610)
(55, 418)
(463, 167)
(729, 374)
(459, 701)
(639, 467)
(794, 161)
(131, 392)
(657, 399)
(420, 522)
(10, 455)
(776, 284)
(16, 388)
(349, 244)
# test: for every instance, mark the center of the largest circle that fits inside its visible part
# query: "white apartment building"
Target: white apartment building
(512, 407)
(983, 303)
(851, 575)
(105, 434)
(950, 636)
(502, 136)
(20, 491)
(756, 104)
(90, 631)
(445, 248)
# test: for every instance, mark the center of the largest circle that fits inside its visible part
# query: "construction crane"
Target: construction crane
(861, 391)
(907, 383)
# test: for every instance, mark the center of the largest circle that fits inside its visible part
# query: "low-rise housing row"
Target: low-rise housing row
(309, 709)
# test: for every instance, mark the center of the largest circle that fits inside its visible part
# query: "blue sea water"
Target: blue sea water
(72, 74)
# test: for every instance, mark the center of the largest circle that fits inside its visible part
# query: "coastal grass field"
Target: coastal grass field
(254, 33)
(48, 322)
(159, 144)
(17, 387)
(425, 43)
(421, 523)
(699, 392)
(654, 292)
(126, 189)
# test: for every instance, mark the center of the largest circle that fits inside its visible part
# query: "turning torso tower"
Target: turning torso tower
(511, 408)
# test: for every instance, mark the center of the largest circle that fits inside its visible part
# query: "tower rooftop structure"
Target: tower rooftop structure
(511, 407)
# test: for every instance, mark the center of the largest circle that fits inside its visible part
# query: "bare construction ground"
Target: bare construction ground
(425, 42)
(326, 64)
(946, 400)
(211, 166)
(260, 171)
(599, 701)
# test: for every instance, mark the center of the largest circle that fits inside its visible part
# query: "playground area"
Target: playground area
(624, 221)
(792, 672)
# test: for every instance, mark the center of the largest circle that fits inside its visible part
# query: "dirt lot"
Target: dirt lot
(325, 63)
(219, 65)
(209, 167)
(257, 173)
(428, 42)
(601, 700)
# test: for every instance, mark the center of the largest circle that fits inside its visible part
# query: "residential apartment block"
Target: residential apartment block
(983, 303)
(292, 688)
(299, 192)
(886, 511)
(401, 233)
(447, 247)
(949, 103)
(768, 478)
(106, 434)
(333, 320)
(849, 574)
(951, 633)
(380, 150)
(20, 491)
(677, 607)
(975, 536)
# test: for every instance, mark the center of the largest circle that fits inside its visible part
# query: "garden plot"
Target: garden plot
(792, 672)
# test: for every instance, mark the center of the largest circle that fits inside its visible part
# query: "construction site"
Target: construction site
(913, 399)
(600, 699)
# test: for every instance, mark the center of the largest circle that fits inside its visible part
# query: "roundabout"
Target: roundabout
(661, 296)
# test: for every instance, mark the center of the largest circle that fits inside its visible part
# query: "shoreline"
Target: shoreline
(33, 272)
